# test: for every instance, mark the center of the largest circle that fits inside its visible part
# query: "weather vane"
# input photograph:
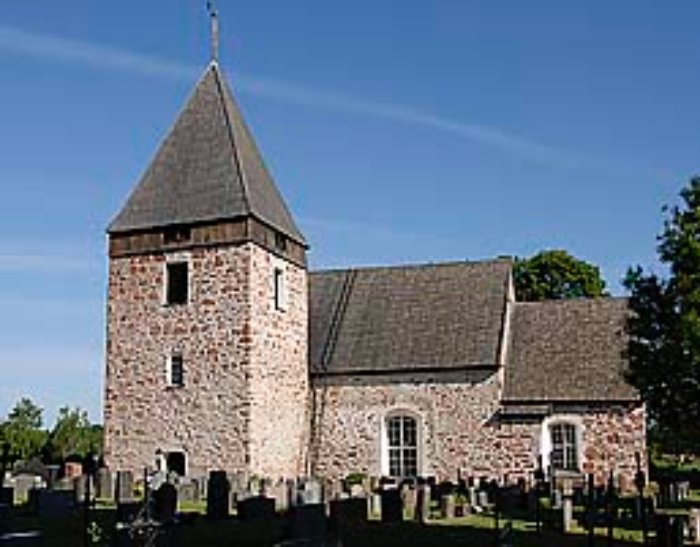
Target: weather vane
(214, 16)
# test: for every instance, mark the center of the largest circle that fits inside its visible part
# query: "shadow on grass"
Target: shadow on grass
(197, 530)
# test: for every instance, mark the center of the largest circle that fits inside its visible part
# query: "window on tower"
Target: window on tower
(175, 371)
(280, 288)
(177, 283)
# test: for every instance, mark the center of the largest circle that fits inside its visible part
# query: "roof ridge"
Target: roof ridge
(232, 139)
(415, 265)
(573, 301)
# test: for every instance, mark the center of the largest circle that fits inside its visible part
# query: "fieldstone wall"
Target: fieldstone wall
(461, 428)
(226, 349)
(454, 412)
(279, 388)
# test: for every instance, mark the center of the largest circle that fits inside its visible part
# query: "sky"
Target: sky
(398, 131)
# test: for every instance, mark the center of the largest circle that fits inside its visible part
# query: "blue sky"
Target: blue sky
(406, 131)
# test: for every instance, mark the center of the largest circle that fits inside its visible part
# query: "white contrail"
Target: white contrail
(27, 43)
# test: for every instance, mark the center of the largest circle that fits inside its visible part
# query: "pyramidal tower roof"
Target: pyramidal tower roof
(207, 169)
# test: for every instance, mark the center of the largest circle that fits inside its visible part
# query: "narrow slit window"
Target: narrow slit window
(176, 371)
(280, 290)
(177, 288)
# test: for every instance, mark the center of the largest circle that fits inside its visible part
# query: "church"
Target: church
(225, 352)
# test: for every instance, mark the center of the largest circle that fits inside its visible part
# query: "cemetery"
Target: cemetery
(85, 504)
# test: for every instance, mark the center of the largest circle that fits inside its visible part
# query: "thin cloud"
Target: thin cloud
(32, 44)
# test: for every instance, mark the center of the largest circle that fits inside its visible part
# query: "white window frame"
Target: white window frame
(386, 446)
(279, 288)
(176, 258)
(169, 369)
(546, 442)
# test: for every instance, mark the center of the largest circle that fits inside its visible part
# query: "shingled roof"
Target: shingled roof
(208, 168)
(568, 350)
(435, 316)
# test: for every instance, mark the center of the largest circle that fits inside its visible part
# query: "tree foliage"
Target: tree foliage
(22, 430)
(664, 328)
(554, 275)
(71, 435)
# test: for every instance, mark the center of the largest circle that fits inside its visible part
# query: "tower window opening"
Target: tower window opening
(177, 288)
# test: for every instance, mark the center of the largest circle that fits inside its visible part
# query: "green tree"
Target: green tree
(22, 430)
(72, 435)
(555, 274)
(664, 350)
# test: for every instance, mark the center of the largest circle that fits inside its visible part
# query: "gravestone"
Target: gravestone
(164, 502)
(471, 495)
(556, 499)
(52, 473)
(7, 496)
(482, 499)
(256, 508)
(348, 512)
(218, 492)
(307, 522)
(694, 525)
(22, 485)
(278, 492)
(423, 503)
(124, 490)
(447, 506)
(188, 491)
(669, 530)
(202, 483)
(375, 504)
(80, 488)
(391, 505)
(127, 511)
(311, 492)
(567, 513)
(104, 485)
(409, 499)
(54, 503)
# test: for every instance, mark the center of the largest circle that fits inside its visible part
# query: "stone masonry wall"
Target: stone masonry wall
(460, 429)
(452, 411)
(208, 417)
(279, 370)
(226, 351)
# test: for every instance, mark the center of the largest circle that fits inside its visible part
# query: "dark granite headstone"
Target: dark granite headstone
(54, 503)
(256, 508)
(218, 494)
(348, 512)
(307, 522)
(128, 510)
(165, 502)
(7, 496)
(392, 509)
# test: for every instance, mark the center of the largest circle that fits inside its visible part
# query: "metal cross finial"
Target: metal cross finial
(214, 16)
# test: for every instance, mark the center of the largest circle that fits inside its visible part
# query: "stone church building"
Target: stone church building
(225, 352)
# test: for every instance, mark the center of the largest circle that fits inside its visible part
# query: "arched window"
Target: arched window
(564, 452)
(402, 446)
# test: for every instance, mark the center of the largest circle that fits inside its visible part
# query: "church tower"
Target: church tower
(207, 306)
